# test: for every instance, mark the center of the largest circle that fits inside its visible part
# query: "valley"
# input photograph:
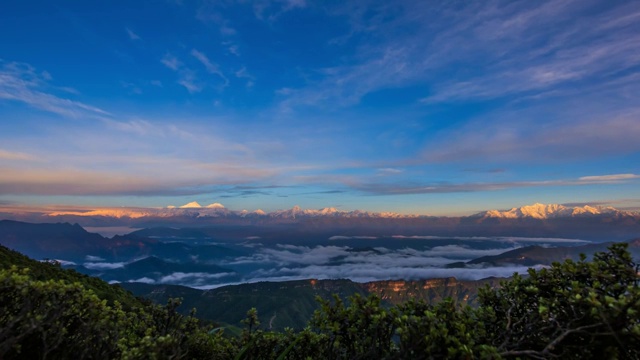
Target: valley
(223, 268)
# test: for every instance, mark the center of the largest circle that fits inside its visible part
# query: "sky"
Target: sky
(422, 107)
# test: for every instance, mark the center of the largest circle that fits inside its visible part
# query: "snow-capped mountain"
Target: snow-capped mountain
(195, 210)
(542, 211)
(191, 205)
(217, 210)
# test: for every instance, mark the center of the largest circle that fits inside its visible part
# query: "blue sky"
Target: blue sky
(426, 107)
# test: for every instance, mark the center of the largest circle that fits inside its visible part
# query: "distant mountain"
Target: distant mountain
(172, 233)
(60, 240)
(292, 303)
(64, 241)
(538, 255)
(537, 220)
(542, 211)
(217, 210)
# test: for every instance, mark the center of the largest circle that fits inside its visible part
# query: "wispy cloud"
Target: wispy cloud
(23, 83)
(244, 74)
(389, 171)
(171, 62)
(518, 48)
(187, 77)
(17, 156)
(370, 272)
(621, 204)
(367, 186)
(609, 178)
(194, 178)
(103, 265)
(132, 35)
(212, 12)
(190, 82)
(137, 126)
(191, 279)
(233, 48)
(271, 10)
(287, 261)
(502, 140)
(209, 66)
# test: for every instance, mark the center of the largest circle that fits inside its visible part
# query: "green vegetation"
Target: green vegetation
(292, 303)
(572, 310)
(51, 270)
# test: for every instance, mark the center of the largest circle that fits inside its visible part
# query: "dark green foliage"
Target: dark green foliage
(292, 303)
(53, 318)
(363, 330)
(58, 320)
(571, 310)
(442, 331)
(48, 312)
(51, 270)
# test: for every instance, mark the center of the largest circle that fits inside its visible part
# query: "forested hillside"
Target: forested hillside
(572, 310)
(292, 303)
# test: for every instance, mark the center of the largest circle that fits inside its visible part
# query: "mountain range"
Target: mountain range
(542, 211)
(539, 255)
(71, 242)
(194, 209)
(537, 220)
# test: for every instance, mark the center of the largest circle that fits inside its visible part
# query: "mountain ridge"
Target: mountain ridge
(546, 211)
(217, 210)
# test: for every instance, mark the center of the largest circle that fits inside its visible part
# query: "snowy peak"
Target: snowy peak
(542, 211)
(215, 206)
(191, 205)
(216, 210)
(112, 213)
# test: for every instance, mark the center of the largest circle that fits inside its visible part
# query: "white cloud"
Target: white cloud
(343, 237)
(189, 81)
(503, 140)
(21, 82)
(609, 178)
(211, 67)
(399, 188)
(93, 258)
(61, 262)
(171, 62)
(389, 171)
(132, 35)
(18, 156)
(372, 272)
(191, 279)
(103, 265)
(244, 74)
(137, 126)
(289, 256)
(517, 47)
(144, 280)
(234, 49)
(509, 239)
